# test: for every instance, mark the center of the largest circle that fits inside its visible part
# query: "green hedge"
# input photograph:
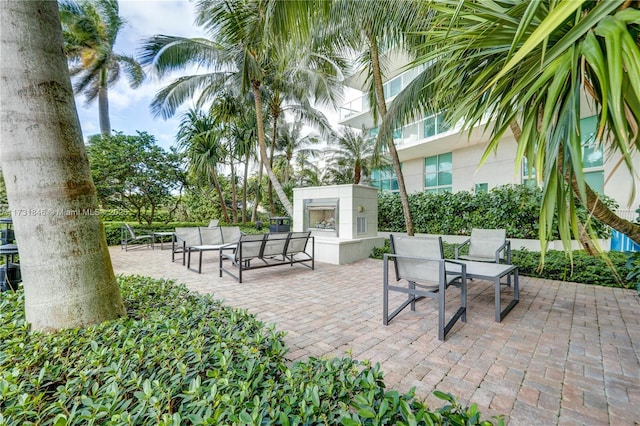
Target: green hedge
(183, 358)
(113, 230)
(515, 208)
(557, 265)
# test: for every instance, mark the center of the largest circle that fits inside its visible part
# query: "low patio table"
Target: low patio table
(159, 234)
(494, 272)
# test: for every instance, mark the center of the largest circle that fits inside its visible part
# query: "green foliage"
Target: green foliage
(633, 266)
(586, 269)
(515, 208)
(184, 358)
(113, 230)
(557, 265)
(633, 263)
(200, 204)
(133, 173)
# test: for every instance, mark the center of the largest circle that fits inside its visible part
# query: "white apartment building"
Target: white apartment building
(438, 157)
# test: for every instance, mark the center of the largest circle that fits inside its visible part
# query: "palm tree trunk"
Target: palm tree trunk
(601, 212)
(272, 150)
(223, 206)
(382, 107)
(245, 182)
(254, 211)
(234, 192)
(66, 269)
(103, 105)
(263, 151)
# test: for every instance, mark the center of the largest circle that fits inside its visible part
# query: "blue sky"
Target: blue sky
(129, 108)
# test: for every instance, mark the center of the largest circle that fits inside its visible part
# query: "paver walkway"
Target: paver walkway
(567, 354)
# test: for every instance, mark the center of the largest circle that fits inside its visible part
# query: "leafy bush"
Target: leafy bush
(113, 230)
(515, 208)
(183, 358)
(123, 215)
(557, 266)
(586, 269)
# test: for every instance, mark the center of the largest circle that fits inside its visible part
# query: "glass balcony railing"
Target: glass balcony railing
(391, 89)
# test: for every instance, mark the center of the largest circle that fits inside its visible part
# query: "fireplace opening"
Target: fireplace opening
(322, 216)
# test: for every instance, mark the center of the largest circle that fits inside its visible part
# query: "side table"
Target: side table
(161, 235)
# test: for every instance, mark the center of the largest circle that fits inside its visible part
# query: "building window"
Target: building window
(384, 179)
(592, 154)
(435, 125)
(392, 87)
(592, 157)
(481, 188)
(438, 173)
(528, 176)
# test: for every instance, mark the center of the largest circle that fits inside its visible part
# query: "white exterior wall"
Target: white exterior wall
(618, 183)
(499, 168)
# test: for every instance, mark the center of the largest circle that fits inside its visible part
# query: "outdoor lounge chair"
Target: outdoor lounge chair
(486, 245)
(129, 239)
(420, 262)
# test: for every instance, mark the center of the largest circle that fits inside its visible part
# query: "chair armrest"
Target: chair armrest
(506, 248)
(459, 246)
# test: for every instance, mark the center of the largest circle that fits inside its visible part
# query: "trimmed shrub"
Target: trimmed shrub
(515, 208)
(113, 230)
(184, 358)
(557, 265)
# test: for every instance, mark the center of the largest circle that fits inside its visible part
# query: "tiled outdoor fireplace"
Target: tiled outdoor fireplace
(343, 218)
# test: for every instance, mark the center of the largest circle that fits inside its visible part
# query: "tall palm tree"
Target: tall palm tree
(351, 159)
(90, 29)
(201, 140)
(292, 142)
(244, 144)
(66, 269)
(374, 29)
(226, 109)
(524, 66)
(246, 34)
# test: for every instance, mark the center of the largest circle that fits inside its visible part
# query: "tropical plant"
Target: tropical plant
(134, 173)
(67, 274)
(525, 66)
(90, 29)
(200, 139)
(291, 144)
(247, 34)
(375, 30)
(351, 159)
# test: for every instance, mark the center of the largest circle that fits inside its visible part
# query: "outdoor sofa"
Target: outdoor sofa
(201, 239)
(266, 250)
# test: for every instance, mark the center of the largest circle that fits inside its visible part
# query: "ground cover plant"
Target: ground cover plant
(182, 358)
(586, 269)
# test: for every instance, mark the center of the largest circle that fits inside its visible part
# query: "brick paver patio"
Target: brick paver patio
(568, 354)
